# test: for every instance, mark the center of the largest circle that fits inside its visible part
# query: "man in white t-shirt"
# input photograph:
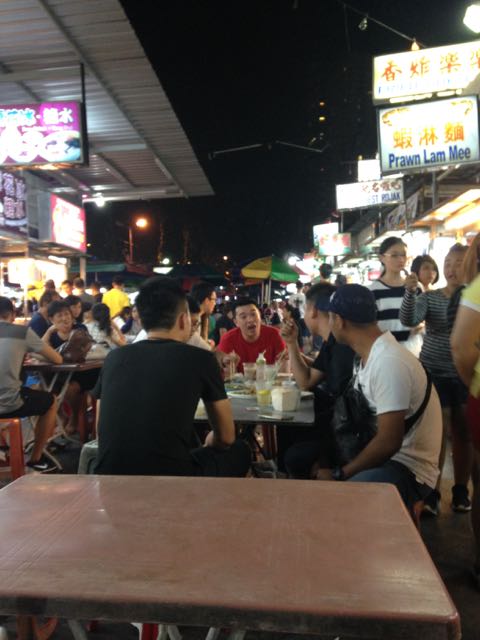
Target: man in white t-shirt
(297, 300)
(395, 385)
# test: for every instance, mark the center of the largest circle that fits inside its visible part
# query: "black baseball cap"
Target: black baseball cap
(355, 303)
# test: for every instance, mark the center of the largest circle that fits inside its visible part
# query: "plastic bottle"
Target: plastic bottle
(261, 363)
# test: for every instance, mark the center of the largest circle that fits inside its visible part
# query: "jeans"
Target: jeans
(392, 472)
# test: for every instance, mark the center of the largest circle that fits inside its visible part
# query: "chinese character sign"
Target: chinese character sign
(411, 73)
(373, 193)
(36, 134)
(424, 136)
(68, 224)
(13, 213)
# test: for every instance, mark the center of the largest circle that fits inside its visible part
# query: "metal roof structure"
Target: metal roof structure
(138, 148)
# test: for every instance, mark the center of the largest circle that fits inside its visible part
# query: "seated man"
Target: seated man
(327, 376)
(40, 322)
(149, 392)
(251, 337)
(17, 401)
(394, 384)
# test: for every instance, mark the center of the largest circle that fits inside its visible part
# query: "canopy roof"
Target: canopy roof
(270, 268)
(138, 148)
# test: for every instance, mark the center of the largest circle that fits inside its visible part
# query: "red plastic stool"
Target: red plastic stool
(13, 426)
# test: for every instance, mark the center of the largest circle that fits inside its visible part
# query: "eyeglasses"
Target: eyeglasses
(213, 299)
(195, 324)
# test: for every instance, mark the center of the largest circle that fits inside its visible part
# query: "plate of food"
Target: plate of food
(241, 393)
(306, 394)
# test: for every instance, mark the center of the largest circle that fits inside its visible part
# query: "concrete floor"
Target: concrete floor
(448, 539)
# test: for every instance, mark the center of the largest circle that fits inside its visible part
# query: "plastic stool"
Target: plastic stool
(13, 426)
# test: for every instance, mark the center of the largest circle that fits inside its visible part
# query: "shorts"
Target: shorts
(451, 391)
(473, 419)
(35, 403)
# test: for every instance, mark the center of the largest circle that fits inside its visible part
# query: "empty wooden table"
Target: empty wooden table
(292, 556)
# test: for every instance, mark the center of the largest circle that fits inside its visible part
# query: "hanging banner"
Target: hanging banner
(375, 193)
(48, 133)
(424, 136)
(68, 224)
(13, 212)
(427, 71)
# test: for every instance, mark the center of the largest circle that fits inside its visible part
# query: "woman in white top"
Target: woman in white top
(102, 329)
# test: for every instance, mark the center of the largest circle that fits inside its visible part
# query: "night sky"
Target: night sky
(241, 73)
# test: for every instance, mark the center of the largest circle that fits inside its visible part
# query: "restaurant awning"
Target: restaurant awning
(138, 148)
(461, 213)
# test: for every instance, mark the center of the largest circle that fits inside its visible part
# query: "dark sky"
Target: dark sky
(248, 72)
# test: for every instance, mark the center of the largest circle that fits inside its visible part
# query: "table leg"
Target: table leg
(78, 632)
(24, 628)
(269, 441)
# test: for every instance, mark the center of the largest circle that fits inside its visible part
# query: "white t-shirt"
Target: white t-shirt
(394, 380)
(141, 335)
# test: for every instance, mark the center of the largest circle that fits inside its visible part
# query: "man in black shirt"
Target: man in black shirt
(150, 390)
(327, 376)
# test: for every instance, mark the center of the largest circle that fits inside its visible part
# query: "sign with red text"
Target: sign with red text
(47, 133)
(418, 137)
(426, 71)
(68, 224)
(374, 193)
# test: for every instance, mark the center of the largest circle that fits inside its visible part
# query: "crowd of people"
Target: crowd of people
(403, 350)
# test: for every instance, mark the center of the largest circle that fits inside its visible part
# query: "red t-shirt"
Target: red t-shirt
(269, 341)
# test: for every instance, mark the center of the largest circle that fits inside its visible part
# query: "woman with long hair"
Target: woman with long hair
(465, 342)
(102, 329)
(431, 307)
(388, 291)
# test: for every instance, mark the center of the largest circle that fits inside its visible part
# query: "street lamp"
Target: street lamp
(472, 17)
(140, 223)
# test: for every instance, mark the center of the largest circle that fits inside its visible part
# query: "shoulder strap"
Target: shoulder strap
(409, 422)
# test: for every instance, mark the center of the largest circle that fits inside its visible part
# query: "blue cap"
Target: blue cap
(355, 303)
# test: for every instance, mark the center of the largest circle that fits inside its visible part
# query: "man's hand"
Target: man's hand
(289, 332)
(228, 363)
(320, 473)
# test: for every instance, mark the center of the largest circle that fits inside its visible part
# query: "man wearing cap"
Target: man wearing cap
(395, 386)
(327, 376)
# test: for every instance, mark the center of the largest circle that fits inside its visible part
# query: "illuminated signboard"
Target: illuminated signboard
(13, 213)
(425, 136)
(427, 71)
(368, 170)
(329, 242)
(68, 224)
(374, 193)
(48, 133)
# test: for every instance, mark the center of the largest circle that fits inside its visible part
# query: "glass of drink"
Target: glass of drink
(264, 395)
(249, 369)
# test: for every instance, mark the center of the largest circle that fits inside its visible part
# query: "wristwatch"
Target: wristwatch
(337, 473)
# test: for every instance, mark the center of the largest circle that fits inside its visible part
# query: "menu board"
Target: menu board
(68, 224)
(48, 133)
(13, 212)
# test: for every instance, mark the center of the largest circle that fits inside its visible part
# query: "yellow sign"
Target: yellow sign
(452, 68)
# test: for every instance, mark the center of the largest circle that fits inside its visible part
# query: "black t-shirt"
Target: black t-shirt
(336, 361)
(149, 393)
(39, 324)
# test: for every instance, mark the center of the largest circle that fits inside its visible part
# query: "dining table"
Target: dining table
(334, 559)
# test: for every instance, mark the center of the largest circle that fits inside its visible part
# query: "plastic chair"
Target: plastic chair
(15, 457)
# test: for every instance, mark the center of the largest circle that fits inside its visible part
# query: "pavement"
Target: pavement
(448, 538)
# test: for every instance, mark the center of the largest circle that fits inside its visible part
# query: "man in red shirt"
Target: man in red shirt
(250, 337)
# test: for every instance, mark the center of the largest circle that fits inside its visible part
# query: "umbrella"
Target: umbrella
(270, 268)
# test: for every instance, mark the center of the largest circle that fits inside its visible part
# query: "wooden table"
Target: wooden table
(290, 556)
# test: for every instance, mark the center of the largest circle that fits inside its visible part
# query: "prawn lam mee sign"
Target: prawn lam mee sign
(48, 133)
(68, 224)
(425, 136)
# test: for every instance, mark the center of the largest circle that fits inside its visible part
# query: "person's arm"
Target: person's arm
(48, 333)
(306, 377)
(464, 342)
(50, 354)
(117, 336)
(414, 307)
(221, 420)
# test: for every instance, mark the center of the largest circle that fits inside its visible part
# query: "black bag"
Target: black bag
(354, 423)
